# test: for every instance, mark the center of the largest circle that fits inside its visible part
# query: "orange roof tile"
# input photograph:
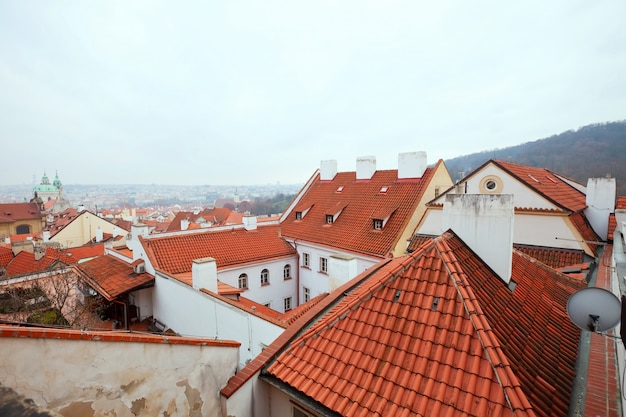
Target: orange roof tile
(547, 183)
(174, 254)
(436, 332)
(360, 202)
(26, 263)
(112, 277)
(612, 226)
(10, 212)
(6, 254)
(553, 257)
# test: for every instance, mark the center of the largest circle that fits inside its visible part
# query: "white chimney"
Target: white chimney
(7, 240)
(341, 269)
(136, 230)
(45, 235)
(485, 223)
(249, 222)
(328, 169)
(99, 235)
(116, 232)
(204, 274)
(365, 167)
(601, 193)
(412, 164)
(184, 224)
(81, 208)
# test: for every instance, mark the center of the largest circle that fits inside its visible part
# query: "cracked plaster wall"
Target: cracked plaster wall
(121, 379)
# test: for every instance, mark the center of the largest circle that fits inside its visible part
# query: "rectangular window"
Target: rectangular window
(287, 304)
(329, 219)
(299, 413)
(298, 215)
(306, 260)
(243, 281)
(287, 272)
(378, 224)
(307, 294)
(265, 277)
(323, 265)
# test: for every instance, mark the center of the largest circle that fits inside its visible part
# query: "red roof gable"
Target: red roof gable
(112, 277)
(11, 212)
(438, 332)
(174, 254)
(548, 184)
(6, 254)
(358, 203)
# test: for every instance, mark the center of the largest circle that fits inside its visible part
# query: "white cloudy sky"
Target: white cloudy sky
(255, 92)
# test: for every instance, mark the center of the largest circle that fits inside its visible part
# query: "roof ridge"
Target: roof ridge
(515, 397)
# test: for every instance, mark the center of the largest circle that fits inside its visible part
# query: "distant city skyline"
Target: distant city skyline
(261, 92)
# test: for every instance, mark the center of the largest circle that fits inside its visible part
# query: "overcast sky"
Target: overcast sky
(257, 92)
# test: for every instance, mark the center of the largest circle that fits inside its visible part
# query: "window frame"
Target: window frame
(287, 272)
(265, 277)
(287, 304)
(243, 277)
(306, 294)
(306, 260)
(378, 224)
(323, 265)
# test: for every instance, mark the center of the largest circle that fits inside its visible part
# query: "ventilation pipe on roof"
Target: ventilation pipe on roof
(601, 193)
(204, 274)
(485, 223)
(328, 169)
(412, 164)
(184, 224)
(365, 167)
(99, 235)
(46, 235)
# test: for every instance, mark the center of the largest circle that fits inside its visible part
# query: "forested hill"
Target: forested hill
(592, 151)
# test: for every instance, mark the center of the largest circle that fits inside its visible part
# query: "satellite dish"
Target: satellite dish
(594, 309)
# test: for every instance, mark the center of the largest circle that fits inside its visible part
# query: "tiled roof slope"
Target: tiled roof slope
(174, 254)
(532, 325)
(620, 205)
(437, 333)
(553, 257)
(6, 254)
(360, 202)
(112, 277)
(548, 184)
(10, 212)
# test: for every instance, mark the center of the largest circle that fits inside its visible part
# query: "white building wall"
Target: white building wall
(432, 223)
(318, 282)
(190, 312)
(545, 230)
(252, 399)
(143, 301)
(278, 288)
(125, 379)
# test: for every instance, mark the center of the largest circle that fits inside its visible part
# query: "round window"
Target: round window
(491, 184)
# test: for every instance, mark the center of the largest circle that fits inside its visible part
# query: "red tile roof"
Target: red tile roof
(359, 202)
(436, 332)
(553, 257)
(112, 277)
(236, 246)
(11, 212)
(6, 254)
(547, 183)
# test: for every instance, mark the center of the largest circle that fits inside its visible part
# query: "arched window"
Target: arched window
(243, 281)
(265, 277)
(287, 272)
(22, 229)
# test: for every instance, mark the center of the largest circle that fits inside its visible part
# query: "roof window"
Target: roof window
(533, 178)
(340, 189)
(383, 189)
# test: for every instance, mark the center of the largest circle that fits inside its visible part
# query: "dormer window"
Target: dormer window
(378, 224)
(301, 213)
(298, 215)
(329, 219)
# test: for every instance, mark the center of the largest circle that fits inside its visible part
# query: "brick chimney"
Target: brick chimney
(365, 167)
(485, 223)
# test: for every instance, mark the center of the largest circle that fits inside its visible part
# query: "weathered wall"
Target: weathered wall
(116, 374)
